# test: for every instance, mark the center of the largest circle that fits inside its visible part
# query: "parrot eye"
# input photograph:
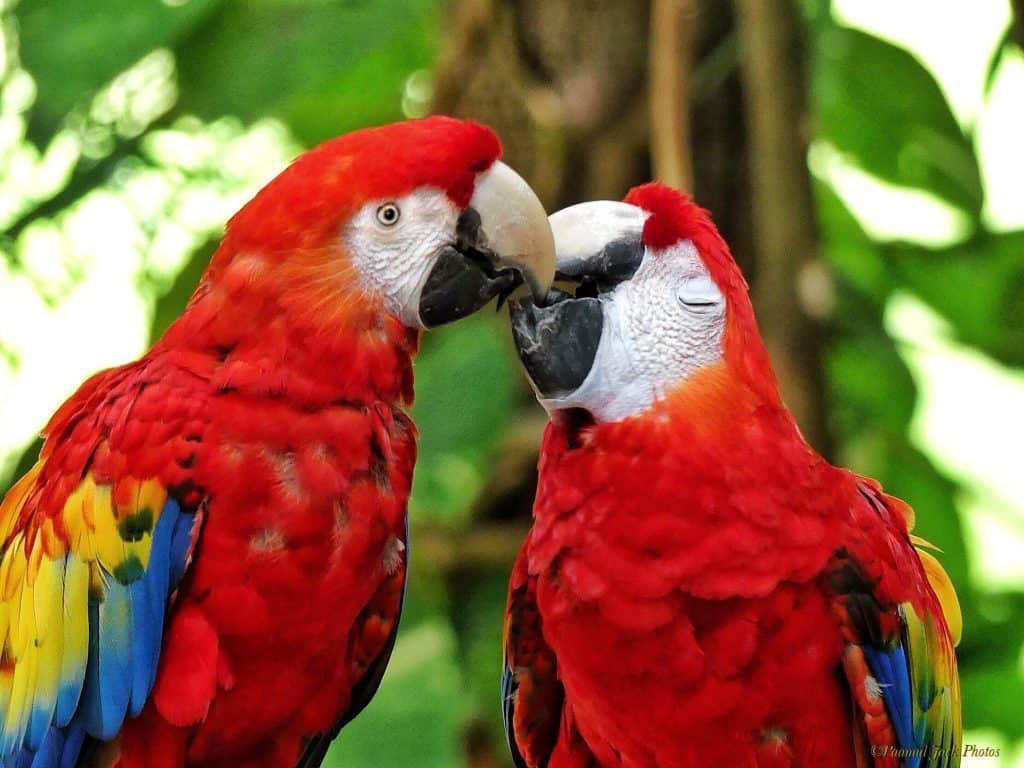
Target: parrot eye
(699, 293)
(388, 214)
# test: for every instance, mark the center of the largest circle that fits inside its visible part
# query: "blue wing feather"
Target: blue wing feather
(149, 601)
(181, 543)
(74, 739)
(107, 676)
(889, 668)
(145, 642)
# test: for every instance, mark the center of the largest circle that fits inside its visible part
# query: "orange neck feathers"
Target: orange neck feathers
(297, 326)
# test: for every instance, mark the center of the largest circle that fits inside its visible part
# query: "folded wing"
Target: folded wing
(899, 660)
(84, 590)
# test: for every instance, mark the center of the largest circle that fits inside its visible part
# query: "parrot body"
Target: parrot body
(207, 565)
(699, 586)
(285, 604)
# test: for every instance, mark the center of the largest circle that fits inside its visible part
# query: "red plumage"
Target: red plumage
(276, 406)
(695, 574)
(305, 454)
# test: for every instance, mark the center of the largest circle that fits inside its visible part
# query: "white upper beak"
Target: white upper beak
(584, 230)
(516, 225)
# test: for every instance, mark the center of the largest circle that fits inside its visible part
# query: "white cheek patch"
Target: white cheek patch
(394, 262)
(660, 327)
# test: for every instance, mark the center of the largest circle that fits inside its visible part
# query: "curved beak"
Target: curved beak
(598, 244)
(602, 239)
(503, 239)
(515, 226)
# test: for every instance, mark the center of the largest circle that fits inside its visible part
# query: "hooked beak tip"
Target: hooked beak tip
(516, 226)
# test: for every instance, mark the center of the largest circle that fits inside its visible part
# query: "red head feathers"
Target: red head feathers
(306, 205)
(675, 217)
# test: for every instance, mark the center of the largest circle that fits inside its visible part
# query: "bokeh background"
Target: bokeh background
(863, 157)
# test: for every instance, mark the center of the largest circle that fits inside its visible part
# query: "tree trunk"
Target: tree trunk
(789, 277)
(670, 57)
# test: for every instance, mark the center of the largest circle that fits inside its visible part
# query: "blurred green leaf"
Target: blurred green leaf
(848, 249)
(908, 474)
(465, 394)
(9, 357)
(24, 463)
(874, 396)
(1002, 49)
(993, 632)
(978, 286)
(877, 103)
(873, 388)
(74, 49)
(368, 93)
(911, 476)
(323, 67)
(993, 697)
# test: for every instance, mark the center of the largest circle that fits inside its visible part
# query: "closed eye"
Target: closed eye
(699, 293)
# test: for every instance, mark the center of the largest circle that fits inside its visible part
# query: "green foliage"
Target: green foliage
(1003, 48)
(876, 102)
(465, 387)
(987, 311)
(481, 596)
(885, 112)
(168, 306)
(853, 256)
(74, 49)
(325, 68)
(416, 716)
(994, 694)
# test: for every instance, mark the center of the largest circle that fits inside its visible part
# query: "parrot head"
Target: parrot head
(418, 217)
(658, 299)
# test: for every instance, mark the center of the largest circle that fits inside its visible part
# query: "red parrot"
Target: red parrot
(207, 564)
(700, 587)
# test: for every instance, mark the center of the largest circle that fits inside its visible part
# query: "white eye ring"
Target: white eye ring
(389, 214)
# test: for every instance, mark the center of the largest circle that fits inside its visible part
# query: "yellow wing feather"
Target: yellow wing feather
(942, 585)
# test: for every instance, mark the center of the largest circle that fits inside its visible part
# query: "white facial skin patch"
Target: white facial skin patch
(394, 244)
(660, 327)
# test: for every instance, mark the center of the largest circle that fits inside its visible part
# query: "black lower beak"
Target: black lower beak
(465, 277)
(459, 285)
(557, 343)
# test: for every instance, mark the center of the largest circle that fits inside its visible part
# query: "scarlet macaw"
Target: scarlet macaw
(207, 565)
(699, 586)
